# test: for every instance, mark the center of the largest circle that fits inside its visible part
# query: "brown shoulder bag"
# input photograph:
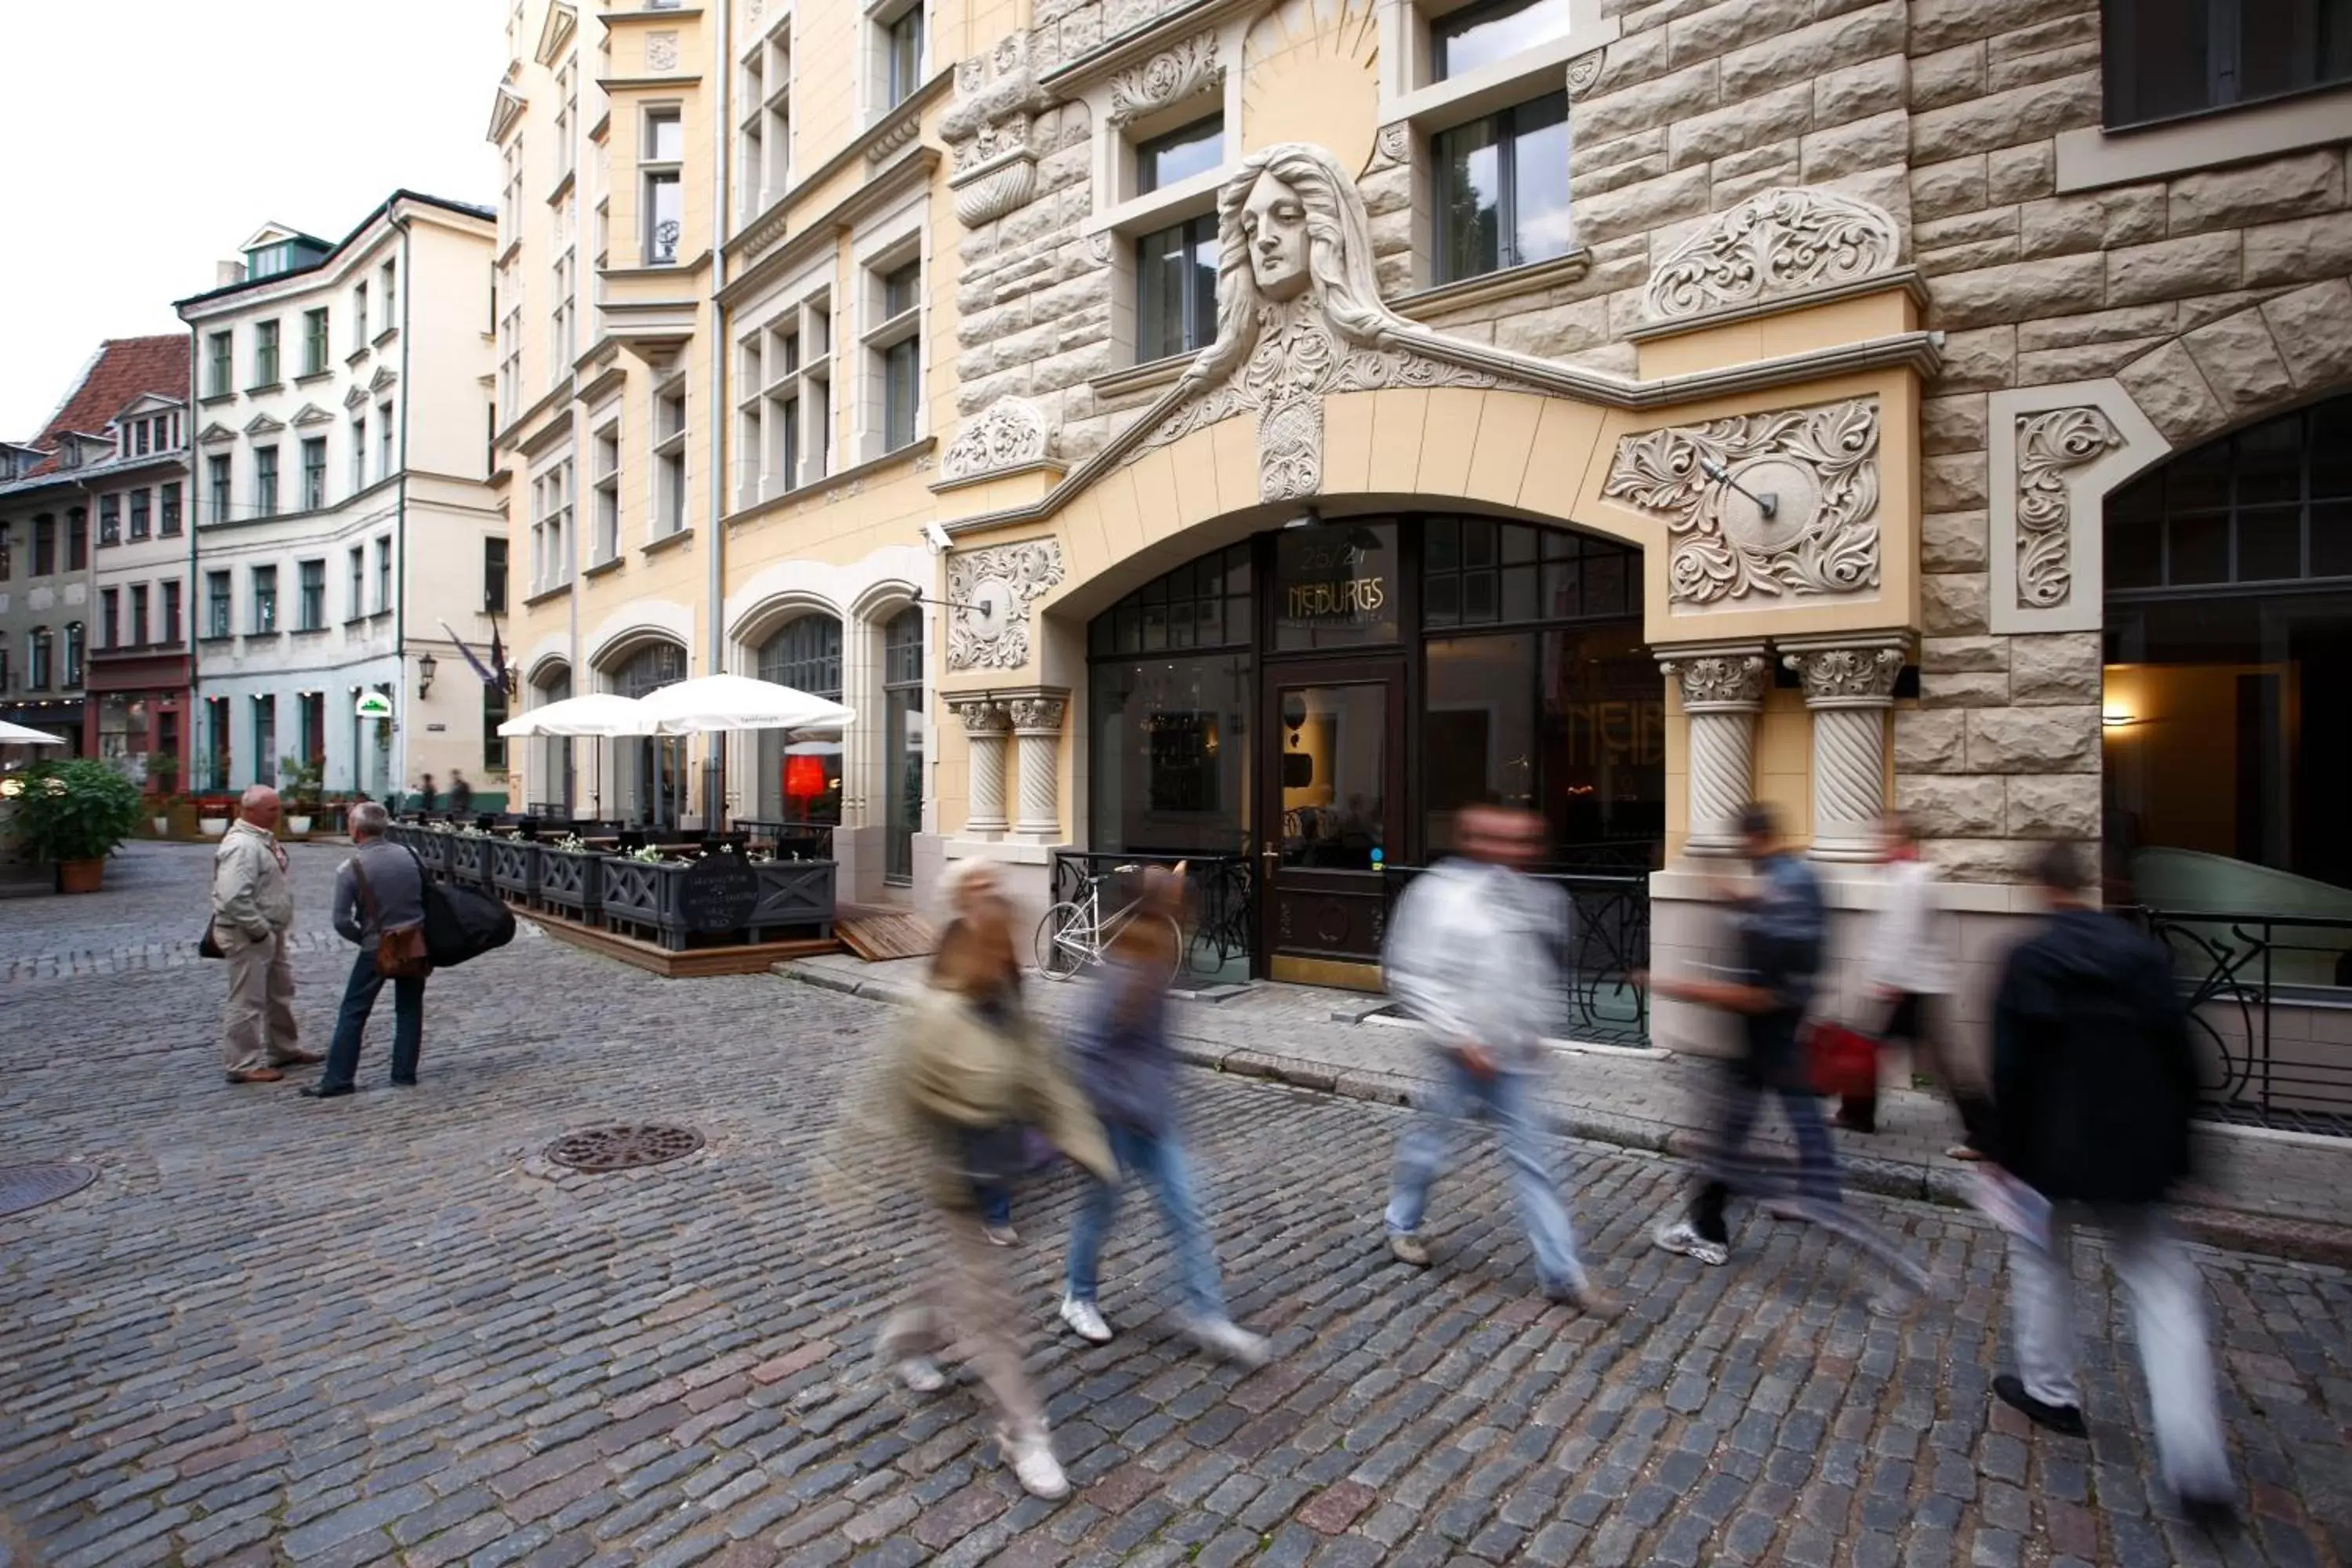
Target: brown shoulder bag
(400, 951)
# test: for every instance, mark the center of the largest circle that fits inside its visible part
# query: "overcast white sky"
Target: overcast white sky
(147, 138)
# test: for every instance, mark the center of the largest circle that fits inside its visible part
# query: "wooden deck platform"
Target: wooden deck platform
(749, 958)
(877, 935)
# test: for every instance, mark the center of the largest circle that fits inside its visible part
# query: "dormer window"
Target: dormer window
(268, 261)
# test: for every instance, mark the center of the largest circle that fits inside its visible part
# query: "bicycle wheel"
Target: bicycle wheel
(1175, 966)
(1064, 942)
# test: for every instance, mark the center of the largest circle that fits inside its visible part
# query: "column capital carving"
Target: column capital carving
(1034, 710)
(1716, 678)
(1847, 671)
(981, 712)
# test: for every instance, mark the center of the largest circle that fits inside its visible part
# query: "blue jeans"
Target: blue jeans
(995, 1205)
(1160, 1164)
(359, 1000)
(1506, 1097)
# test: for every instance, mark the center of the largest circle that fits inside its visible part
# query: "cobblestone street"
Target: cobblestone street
(382, 1329)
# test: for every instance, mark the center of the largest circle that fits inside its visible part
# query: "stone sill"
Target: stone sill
(1906, 277)
(2093, 157)
(856, 471)
(544, 595)
(1148, 376)
(666, 542)
(1488, 288)
(602, 568)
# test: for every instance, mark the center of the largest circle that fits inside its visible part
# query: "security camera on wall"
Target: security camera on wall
(936, 537)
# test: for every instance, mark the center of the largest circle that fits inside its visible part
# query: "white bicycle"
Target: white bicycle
(1076, 933)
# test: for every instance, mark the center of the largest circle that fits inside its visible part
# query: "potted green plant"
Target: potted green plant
(212, 814)
(75, 814)
(299, 781)
(164, 775)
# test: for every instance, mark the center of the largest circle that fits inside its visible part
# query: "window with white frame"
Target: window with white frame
(389, 306)
(763, 165)
(511, 365)
(265, 601)
(384, 574)
(898, 53)
(796, 364)
(385, 459)
(265, 482)
(359, 451)
(550, 507)
(314, 342)
(355, 608)
(607, 474)
(510, 201)
(750, 449)
(359, 317)
(669, 458)
(110, 520)
(217, 484)
(662, 199)
(567, 115)
(895, 354)
(314, 472)
(265, 355)
(220, 377)
(140, 518)
(562, 345)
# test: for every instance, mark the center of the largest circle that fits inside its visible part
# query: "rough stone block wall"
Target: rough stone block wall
(2215, 297)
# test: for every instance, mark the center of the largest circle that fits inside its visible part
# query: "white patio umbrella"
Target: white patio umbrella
(593, 713)
(18, 735)
(739, 702)
(601, 714)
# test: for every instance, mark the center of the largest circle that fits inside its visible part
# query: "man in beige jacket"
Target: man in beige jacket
(253, 903)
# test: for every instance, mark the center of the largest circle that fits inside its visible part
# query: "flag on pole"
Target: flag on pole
(499, 659)
(479, 668)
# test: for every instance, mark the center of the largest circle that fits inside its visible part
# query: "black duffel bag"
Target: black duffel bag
(460, 923)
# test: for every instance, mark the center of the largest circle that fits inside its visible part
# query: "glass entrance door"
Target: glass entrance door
(1334, 813)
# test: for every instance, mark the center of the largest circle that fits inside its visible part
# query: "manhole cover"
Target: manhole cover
(29, 1186)
(624, 1148)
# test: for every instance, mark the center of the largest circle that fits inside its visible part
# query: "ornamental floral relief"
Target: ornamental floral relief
(1169, 77)
(1007, 433)
(661, 51)
(1830, 674)
(1777, 242)
(990, 591)
(1762, 505)
(2050, 447)
(1712, 681)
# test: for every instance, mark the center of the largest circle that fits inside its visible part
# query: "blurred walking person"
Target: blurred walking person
(253, 906)
(1781, 924)
(2095, 1082)
(1129, 1072)
(1911, 987)
(965, 884)
(1471, 954)
(967, 1070)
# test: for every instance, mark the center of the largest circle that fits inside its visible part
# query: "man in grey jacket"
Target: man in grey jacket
(253, 903)
(395, 897)
(1471, 954)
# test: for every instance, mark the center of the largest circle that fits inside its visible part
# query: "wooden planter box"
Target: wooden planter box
(514, 869)
(641, 899)
(796, 896)
(433, 848)
(469, 859)
(572, 882)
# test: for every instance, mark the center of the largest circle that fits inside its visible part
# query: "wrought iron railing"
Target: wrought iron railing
(2238, 973)
(1605, 945)
(1220, 922)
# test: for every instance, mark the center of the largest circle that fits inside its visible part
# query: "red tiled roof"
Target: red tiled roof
(125, 370)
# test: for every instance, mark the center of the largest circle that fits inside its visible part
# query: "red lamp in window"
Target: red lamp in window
(804, 778)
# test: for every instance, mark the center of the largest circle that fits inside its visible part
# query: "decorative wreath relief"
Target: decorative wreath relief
(1762, 503)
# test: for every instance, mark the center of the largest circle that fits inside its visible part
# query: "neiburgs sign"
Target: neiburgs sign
(718, 893)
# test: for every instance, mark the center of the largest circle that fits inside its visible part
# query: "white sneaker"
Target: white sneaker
(1683, 1237)
(921, 1374)
(1034, 1464)
(1085, 1321)
(1000, 1235)
(1230, 1340)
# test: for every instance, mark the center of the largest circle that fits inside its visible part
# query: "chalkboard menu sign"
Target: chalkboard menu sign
(719, 892)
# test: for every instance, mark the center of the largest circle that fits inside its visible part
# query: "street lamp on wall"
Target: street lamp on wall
(425, 666)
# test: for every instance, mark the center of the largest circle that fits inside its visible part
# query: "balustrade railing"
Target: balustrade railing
(2268, 997)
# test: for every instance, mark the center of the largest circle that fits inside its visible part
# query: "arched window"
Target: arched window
(903, 740)
(806, 656)
(552, 785)
(799, 775)
(650, 774)
(2228, 650)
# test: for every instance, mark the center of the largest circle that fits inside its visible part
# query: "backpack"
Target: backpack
(461, 923)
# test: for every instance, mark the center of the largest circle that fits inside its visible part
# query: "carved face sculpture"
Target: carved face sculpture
(1273, 222)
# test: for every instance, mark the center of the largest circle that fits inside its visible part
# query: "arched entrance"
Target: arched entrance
(2229, 646)
(649, 772)
(556, 782)
(800, 775)
(1317, 700)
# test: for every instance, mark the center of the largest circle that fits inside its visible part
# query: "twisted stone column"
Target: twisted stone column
(985, 727)
(1038, 730)
(1849, 687)
(1722, 691)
